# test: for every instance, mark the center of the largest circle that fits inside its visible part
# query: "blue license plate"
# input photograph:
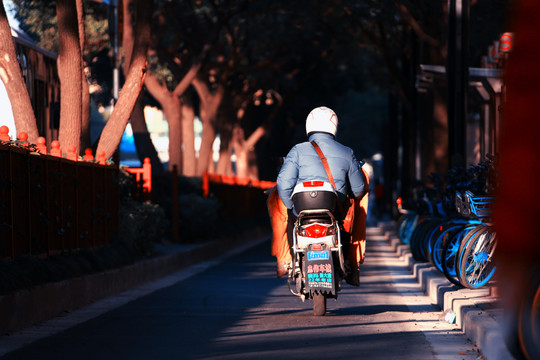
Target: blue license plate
(318, 255)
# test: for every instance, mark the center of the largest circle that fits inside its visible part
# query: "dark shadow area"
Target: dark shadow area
(443, 289)
(375, 268)
(208, 316)
(391, 345)
(181, 319)
(325, 327)
(378, 309)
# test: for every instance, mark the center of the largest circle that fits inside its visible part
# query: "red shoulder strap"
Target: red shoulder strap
(325, 164)
(329, 174)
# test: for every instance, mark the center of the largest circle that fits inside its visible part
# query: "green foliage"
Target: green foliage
(38, 20)
(142, 224)
(198, 217)
(362, 119)
(310, 55)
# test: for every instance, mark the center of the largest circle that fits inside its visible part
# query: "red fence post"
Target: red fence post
(147, 178)
(6, 216)
(72, 153)
(113, 201)
(205, 185)
(101, 158)
(68, 180)
(239, 197)
(86, 180)
(55, 148)
(88, 155)
(41, 147)
(54, 206)
(4, 133)
(44, 200)
(38, 199)
(23, 138)
(19, 201)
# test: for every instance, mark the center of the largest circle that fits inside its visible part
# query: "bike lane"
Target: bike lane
(235, 308)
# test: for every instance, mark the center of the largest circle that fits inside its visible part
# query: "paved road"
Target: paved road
(237, 309)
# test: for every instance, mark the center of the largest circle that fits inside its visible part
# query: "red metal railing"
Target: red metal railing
(49, 203)
(239, 197)
(143, 177)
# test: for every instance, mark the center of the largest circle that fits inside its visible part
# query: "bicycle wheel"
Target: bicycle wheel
(476, 266)
(529, 319)
(447, 231)
(472, 232)
(401, 222)
(419, 237)
(448, 258)
(432, 238)
(407, 227)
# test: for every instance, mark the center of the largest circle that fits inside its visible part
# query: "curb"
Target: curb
(476, 310)
(24, 308)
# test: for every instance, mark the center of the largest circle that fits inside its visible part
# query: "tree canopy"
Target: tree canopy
(253, 69)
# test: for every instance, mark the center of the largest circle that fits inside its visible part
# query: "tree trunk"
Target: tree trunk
(172, 107)
(173, 114)
(224, 165)
(10, 73)
(85, 123)
(239, 151)
(209, 106)
(114, 129)
(143, 142)
(246, 160)
(69, 72)
(188, 135)
(207, 140)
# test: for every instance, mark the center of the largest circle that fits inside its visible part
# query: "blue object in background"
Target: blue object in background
(128, 151)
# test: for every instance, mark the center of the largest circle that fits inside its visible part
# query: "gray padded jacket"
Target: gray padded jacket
(303, 164)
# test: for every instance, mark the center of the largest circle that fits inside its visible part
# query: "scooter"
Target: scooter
(318, 263)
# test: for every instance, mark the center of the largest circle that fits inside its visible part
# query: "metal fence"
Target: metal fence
(49, 204)
(239, 197)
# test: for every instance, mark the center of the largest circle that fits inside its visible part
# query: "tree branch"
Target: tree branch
(407, 16)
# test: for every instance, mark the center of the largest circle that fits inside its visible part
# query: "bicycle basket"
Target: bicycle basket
(480, 206)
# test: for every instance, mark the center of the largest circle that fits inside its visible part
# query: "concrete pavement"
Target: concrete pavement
(477, 311)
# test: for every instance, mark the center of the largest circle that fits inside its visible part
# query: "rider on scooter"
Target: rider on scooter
(304, 164)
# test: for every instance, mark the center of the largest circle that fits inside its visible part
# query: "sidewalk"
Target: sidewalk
(26, 308)
(477, 311)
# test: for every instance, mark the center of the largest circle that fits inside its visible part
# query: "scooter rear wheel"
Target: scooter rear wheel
(319, 304)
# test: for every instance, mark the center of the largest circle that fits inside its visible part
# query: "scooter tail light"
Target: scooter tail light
(313, 183)
(315, 230)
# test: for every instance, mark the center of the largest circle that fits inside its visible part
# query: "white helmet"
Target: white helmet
(322, 119)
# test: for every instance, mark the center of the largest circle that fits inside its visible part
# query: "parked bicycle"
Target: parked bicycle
(452, 228)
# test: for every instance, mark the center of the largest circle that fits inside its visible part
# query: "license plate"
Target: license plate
(319, 271)
(318, 255)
